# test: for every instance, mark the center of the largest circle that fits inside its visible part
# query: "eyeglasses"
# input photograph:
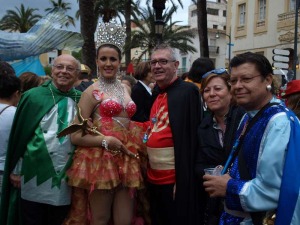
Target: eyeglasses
(243, 80)
(69, 69)
(219, 71)
(161, 62)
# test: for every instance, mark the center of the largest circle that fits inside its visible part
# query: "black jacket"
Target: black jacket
(143, 101)
(184, 107)
(212, 154)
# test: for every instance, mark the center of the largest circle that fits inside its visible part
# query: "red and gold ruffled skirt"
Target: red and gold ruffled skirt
(96, 168)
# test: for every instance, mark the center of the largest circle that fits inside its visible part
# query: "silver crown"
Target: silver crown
(111, 33)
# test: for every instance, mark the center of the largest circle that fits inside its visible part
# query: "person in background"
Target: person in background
(199, 67)
(261, 174)
(215, 134)
(129, 80)
(29, 80)
(45, 78)
(42, 113)
(84, 79)
(106, 172)
(141, 93)
(10, 92)
(184, 76)
(171, 141)
(292, 96)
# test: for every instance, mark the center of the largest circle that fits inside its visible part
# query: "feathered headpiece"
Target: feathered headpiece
(111, 33)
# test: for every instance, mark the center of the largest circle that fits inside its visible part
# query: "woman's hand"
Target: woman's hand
(113, 143)
(216, 185)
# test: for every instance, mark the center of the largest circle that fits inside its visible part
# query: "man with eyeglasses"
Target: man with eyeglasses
(171, 143)
(262, 172)
(42, 191)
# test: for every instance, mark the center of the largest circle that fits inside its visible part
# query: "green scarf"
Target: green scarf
(34, 104)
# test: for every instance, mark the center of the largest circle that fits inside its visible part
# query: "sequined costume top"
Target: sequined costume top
(264, 149)
(111, 108)
(98, 168)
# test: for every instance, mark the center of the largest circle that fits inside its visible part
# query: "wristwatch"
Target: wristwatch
(104, 144)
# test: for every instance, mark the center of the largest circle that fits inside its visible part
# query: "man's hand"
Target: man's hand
(216, 185)
(15, 180)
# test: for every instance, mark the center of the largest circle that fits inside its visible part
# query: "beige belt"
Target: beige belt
(161, 158)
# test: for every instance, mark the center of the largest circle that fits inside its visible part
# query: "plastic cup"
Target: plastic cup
(216, 171)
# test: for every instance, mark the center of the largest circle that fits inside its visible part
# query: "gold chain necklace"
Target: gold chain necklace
(55, 102)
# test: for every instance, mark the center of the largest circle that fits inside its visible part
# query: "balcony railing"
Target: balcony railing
(286, 16)
(286, 20)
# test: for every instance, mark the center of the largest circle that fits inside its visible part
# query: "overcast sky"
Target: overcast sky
(181, 15)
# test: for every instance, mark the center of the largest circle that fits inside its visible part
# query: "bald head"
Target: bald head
(65, 71)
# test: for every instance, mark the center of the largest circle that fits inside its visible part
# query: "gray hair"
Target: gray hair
(165, 46)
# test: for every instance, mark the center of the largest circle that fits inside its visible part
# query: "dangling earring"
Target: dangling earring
(269, 87)
(118, 75)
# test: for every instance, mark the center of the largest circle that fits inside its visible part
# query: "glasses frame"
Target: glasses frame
(243, 80)
(68, 68)
(161, 62)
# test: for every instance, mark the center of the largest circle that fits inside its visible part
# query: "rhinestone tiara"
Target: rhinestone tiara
(111, 33)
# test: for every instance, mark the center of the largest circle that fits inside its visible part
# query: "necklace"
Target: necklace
(154, 117)
(113, 88)
(55, 103)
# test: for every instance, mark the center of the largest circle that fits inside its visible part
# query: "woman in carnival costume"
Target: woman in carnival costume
(106, 165)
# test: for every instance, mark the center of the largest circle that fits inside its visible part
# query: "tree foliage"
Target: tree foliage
(20, 19)
(178, 37)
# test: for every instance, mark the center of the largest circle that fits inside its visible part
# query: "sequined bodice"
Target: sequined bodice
(111, 108)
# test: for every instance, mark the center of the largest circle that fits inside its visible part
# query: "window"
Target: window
(211, 11)
(292, 5)
(51, 60)
(262, 10)
(215, 26)
(194, 13)
(224, 13)
(224, 27)
(184, 62)
(242, 14)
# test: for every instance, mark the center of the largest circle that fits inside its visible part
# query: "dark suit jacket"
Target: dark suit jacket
(143, 101)
(212, 154)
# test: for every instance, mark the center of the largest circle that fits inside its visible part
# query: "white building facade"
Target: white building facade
(262, 25)
(216, 23)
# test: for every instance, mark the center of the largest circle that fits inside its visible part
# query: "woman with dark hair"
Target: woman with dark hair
(141, 92)
(215, 134)
(10, 87)
(106, 165)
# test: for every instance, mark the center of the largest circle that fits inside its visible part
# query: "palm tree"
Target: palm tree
(61, 5)
(202, 27)
(176, 36)
(19, 20)
(89, 13)
(88, 23)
